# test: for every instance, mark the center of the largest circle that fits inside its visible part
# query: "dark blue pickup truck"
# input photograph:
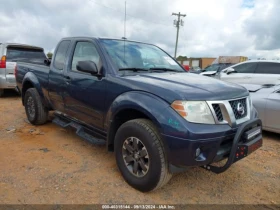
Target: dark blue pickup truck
(136, 99)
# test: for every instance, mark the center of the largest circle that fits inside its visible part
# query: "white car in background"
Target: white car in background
(259, 72)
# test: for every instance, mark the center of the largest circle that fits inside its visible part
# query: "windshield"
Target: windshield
(213, 67)
(133, 55)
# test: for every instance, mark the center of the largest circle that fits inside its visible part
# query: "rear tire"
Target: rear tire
(140, 155)
(1, 92)
(36, 113)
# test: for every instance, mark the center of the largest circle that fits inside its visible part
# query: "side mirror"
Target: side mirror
(87, 66)
(229, 71)
(47, 62)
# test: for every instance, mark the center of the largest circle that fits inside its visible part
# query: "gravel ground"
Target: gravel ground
(50, 165)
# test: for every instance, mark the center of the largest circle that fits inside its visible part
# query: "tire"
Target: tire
(35, 111)
(155, 162)
(1, 92)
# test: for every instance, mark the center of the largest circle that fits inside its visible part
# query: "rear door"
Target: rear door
(21, 53)
(243, 74)
(266, 73)
(57, 79)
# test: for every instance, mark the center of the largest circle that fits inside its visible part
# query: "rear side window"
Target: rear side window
(60, 55)
(268, 68)
(246, 68)
(23, 54)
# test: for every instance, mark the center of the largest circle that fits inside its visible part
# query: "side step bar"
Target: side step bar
(81, 131)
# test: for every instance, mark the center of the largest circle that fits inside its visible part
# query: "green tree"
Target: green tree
(181, 58)
(49, 54)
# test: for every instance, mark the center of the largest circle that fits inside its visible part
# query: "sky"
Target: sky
(211, 28)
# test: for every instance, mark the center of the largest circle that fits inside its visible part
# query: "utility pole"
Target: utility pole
(177, 24)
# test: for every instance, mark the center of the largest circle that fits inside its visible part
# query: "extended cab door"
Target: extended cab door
(85, 93)
(242, 75)
(57, 79)
(266, 73)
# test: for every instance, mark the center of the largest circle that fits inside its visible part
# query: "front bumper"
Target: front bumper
(247, 139)
(182, 152)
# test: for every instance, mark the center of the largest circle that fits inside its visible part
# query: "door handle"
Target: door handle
(67, 79)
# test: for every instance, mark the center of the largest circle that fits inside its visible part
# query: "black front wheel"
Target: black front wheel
(36, 113)
(140, 155)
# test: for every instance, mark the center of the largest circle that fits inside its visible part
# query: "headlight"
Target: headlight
(194, 111)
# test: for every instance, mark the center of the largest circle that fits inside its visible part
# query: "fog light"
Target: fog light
(197, 152)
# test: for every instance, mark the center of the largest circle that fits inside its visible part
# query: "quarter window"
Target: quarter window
(61, 53)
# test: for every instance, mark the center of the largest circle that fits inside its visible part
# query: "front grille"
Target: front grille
(218, 112)
(237, 106)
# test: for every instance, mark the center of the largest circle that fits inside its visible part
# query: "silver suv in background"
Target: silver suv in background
(10, 53)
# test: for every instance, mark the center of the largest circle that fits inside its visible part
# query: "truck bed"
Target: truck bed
(38, 71)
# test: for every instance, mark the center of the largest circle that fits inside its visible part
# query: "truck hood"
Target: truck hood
(185, 86)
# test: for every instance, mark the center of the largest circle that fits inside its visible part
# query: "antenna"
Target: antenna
(124, 32)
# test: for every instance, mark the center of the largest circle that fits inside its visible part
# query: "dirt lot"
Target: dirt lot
(48, 164)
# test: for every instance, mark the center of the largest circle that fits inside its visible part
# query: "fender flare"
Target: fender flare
(150, 105)
(30, 78)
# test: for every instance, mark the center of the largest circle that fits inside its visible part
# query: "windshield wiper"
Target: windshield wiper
(133, 69)
(165, 69)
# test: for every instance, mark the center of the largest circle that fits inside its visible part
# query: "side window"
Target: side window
(84, 51)
(268, 68)
(246, 68)
(60, 55)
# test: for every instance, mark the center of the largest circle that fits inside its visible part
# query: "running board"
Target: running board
(81, 131)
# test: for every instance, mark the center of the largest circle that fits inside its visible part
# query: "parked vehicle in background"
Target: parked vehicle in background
(195, 69)
(10, 53)
(266, 99)
(186, 67)
(156, 117)
(221, 63)
(257, 72)
(214, 69)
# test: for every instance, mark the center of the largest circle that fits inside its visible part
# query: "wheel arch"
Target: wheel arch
(31, 81)
(133, 105)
